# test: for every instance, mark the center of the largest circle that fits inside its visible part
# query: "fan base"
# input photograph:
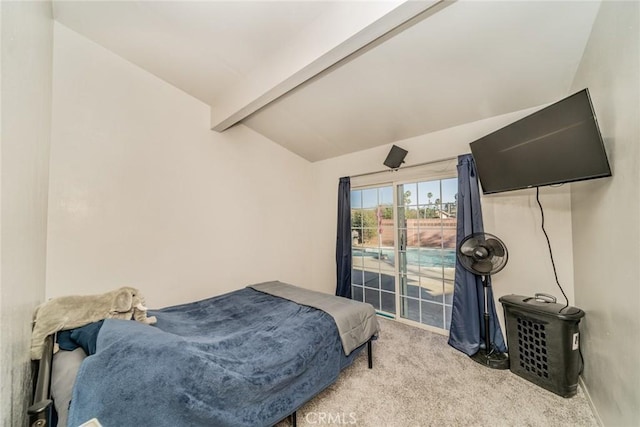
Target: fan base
(493, 360)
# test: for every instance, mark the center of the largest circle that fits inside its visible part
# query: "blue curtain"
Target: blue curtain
(343, 241)
(467, 331)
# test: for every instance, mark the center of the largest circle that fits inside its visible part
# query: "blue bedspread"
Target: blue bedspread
(240, 359)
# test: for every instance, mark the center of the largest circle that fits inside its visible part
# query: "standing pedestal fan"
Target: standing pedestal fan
(483, 254)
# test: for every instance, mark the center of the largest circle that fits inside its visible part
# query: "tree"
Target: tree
(366, 223)
(387, 212)
(429, 196)
(436, 208)
(407, 198)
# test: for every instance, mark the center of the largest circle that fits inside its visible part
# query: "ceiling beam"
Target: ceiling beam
(331, 41)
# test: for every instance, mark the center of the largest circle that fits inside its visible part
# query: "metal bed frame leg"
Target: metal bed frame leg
(294, 419)
(39, 413)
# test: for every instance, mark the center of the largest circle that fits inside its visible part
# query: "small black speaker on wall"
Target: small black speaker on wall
(395, 157)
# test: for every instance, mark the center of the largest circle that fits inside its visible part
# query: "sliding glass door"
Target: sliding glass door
(404, 249)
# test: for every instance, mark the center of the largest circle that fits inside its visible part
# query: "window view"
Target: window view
(426, 250)
(424, 242)
(373, 268)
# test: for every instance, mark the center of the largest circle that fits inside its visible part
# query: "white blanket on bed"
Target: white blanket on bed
(356, 321)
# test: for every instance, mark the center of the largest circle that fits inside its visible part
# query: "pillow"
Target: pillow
(63, 375)
(65, 342)
(87, 336)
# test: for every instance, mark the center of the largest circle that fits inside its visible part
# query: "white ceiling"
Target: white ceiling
(464, 62)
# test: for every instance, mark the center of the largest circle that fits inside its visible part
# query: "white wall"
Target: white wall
(605, 218)
(143, 193)
(26, 33)
(513, 216)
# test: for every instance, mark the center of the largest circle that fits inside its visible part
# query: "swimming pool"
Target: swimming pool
(424, 257)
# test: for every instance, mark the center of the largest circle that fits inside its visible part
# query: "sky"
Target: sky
(444, 190)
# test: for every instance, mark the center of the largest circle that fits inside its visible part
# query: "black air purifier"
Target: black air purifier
(544, 341)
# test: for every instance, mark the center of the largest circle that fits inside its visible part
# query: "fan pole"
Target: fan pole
(487, 339)
(489, 356)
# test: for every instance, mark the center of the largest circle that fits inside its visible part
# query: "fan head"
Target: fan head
(482, 254)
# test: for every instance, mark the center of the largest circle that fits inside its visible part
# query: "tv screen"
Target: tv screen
(560, 143)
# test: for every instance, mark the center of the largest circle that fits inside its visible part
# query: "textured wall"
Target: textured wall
(605, 215)
(25, 126)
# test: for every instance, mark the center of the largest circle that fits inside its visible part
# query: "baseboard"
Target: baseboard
(591, 405)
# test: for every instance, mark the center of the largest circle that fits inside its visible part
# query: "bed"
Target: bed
(251, 357)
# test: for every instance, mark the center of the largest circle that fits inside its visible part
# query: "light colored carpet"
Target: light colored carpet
(419, 380)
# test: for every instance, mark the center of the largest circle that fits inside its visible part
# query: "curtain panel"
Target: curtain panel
(466, 332)
(343, 240)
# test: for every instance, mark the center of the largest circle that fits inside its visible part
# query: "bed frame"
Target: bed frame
(40, 413)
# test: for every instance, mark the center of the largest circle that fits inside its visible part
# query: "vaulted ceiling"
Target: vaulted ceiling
(326, 78)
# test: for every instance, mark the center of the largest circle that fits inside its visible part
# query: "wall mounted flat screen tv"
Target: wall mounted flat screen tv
(560, 143)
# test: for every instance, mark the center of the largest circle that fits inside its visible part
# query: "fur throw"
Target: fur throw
(71, 312)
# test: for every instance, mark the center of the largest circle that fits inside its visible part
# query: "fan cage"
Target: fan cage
(498, 262)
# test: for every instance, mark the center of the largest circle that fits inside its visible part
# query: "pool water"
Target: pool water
(424, 257)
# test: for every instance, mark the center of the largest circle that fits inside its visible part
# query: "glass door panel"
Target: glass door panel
(372, 231)
(426, 236)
